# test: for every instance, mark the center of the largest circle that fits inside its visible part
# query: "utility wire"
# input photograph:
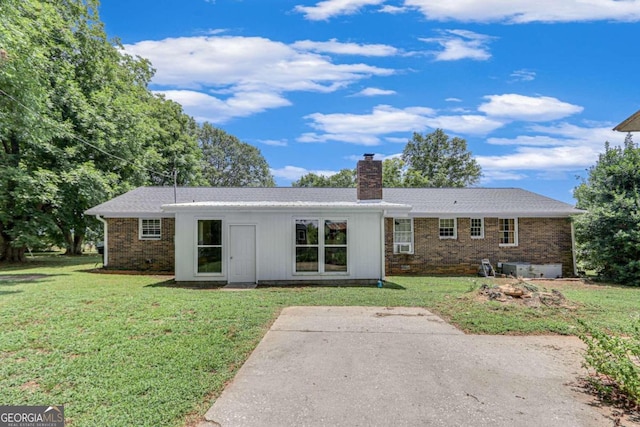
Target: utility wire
(2, 92)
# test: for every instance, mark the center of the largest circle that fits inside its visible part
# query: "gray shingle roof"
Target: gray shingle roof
(425, 201)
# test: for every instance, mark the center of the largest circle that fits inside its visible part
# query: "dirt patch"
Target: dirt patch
(524, 292)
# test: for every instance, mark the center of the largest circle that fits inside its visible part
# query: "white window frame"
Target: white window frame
(197, 246)
(141, 229)
(515, 232)
(397, 243)
(481, 236)
(321, 245)
(455, 228)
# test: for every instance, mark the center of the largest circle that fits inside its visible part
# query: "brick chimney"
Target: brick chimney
(369, 174)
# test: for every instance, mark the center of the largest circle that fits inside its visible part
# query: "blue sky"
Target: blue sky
(534, 86)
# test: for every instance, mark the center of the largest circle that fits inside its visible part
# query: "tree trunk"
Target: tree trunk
(73, 243)
(11, 254)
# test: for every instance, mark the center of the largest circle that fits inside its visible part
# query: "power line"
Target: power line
(84, 141)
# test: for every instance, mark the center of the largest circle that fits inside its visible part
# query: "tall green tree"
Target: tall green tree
(608, 234)
(435, 160)
(345, 178)
(78, 124)
(229, 162)
(26, 189)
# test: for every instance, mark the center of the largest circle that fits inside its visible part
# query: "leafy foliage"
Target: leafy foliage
(608, 235)
(615, 359)
(78, 124)
(229, 162)
(345, 178)
(435, 160)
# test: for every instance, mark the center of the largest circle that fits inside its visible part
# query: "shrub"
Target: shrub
(615, 359)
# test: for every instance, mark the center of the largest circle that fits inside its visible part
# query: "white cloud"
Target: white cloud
(527, 108)
(453, 100)
(461, 44)
(330, 8)
(393, 10)
(253, 72)
(293, 173)
(397, 140)
(523, 75)
(336, 47)
(374, 91)
(368, 129)
(553, 150)
(274, 142)
(524, 11)
(365, 129)
(497, 175)
(204, 107)
(535, 158)
(471, 124)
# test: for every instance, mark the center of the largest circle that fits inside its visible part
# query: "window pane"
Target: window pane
(209, 260)
(209, 232)
(447, 227)
(335, 232)
(306, 232)
(151, 228)
(307, 259)
(507, 231)
(402, 230)
(402, 224)
(476, 227)
(335, 259)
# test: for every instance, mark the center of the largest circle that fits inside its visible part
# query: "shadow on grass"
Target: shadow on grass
(3, 293)
(15, 279)
(50, 260)
(217, 285)
(387, 285)
(187, 285)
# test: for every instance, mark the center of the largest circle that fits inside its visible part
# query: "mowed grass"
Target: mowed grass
(123, 350)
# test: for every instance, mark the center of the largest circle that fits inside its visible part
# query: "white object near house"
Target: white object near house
(254, 241)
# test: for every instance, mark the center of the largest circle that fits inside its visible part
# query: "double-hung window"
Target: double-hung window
(307, 245)
(150, 228)
(477, 228)
(447, 228)
(402, 236)
(326, 253)
(508, 229)
(209, 246)
(335, 246)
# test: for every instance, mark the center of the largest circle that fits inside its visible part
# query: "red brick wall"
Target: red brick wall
(369, 179)
(540, 241)
(127, 252)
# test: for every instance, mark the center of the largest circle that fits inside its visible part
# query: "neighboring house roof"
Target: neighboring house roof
(432, 202)
(632, 124)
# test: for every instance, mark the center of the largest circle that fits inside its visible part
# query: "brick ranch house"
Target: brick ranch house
(293, 235)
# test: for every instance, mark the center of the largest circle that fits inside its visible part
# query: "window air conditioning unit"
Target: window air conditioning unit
(404, 248)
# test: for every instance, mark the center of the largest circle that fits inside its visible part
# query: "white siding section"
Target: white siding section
(275, 244)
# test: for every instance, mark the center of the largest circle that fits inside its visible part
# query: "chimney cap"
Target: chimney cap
(368, 156)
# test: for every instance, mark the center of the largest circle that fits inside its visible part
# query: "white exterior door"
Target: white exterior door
(242, 254)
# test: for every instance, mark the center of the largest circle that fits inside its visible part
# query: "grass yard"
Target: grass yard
(122, 350)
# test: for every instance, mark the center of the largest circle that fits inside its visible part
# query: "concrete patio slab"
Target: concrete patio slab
(379, 366)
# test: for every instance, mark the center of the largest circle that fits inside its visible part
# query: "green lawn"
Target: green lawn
(121, 350)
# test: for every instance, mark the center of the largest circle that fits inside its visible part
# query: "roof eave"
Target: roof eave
(631, 124)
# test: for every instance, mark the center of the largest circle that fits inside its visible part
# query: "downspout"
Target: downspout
(573, 249)
(105, 256)
(383, 249)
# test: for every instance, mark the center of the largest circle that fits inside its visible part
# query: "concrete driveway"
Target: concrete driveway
(376, 366)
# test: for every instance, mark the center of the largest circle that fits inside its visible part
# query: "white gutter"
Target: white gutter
(105, 256)
(573, 249)
(383, 249)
